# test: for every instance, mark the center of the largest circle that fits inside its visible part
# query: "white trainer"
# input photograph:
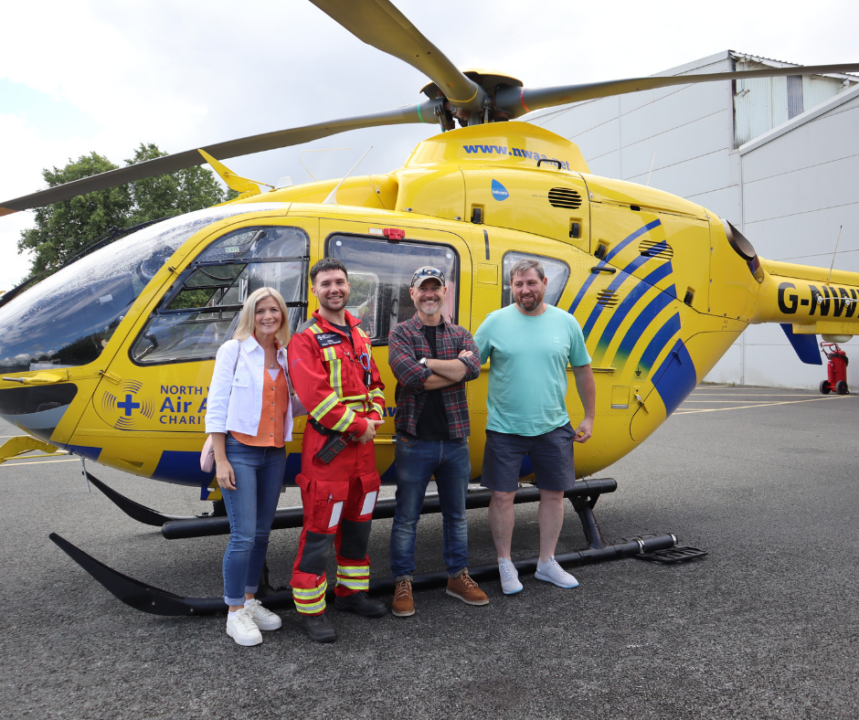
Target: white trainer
(509, 577)
(263, 618)
(551, 572)
(242, 628)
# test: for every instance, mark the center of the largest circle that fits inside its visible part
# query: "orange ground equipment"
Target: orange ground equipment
(837, 369)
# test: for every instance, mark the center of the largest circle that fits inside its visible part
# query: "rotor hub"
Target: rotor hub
(491, 82)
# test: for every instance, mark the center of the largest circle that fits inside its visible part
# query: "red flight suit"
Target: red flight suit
(338, 498)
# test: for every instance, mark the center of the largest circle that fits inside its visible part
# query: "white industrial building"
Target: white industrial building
(777, 157)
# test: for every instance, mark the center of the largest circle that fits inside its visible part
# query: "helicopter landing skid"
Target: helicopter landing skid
(583, 496)
(155, 601)
(174, 527)
(133, 509)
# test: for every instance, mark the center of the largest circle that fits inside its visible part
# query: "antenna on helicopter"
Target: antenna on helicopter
(319, 150)
(833, 254)
(332, 196)
(651, 169)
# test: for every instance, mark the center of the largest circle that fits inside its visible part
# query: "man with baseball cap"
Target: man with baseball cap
(432, 359)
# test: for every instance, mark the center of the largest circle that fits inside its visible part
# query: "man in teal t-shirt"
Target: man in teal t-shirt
(530, 344)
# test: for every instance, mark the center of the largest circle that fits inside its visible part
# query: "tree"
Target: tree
(63, 229)
(175, 194)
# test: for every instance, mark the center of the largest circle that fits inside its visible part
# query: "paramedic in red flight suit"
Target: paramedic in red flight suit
(332, 370)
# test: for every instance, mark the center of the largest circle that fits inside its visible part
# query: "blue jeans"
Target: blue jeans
(250, 507)
(417, 460)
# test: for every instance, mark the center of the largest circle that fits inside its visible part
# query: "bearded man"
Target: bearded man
(432, 360)
(530, 344)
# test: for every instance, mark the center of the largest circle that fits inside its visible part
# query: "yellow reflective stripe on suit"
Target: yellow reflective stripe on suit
(345, 421)
(324, 407)
(354, 577)
(310, 593)
(310, 601)
(311, 608)
(353, 570)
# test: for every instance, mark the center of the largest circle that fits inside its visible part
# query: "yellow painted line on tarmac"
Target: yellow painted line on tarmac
(750, 407)
(9, 463)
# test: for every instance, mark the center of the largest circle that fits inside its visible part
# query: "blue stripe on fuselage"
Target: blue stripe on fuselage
(675, 378)
(636, 330)
(659, 341)
(619, 315)
(602, 263)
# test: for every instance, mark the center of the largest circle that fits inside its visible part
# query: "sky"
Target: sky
(106, 75)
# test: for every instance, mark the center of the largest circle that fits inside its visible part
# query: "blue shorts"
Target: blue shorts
(551, 456)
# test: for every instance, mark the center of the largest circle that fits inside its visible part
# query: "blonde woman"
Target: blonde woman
(249, 417)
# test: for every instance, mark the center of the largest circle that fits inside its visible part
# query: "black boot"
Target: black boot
(360, 603)
(320, 628)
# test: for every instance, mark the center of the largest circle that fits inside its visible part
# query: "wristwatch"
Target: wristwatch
(422, 361)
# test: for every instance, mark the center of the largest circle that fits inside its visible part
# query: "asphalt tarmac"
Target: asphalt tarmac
(765, 626)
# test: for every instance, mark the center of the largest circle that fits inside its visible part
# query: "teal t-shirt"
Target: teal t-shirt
(528, 370)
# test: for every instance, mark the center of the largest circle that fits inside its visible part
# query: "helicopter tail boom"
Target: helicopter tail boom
(814, 301)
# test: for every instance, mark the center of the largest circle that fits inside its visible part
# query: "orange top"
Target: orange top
(275, 396)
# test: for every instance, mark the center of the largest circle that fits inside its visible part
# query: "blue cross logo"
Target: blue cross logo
(128, 405)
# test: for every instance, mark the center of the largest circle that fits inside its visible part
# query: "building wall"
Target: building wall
(788, 190)
(800, 184)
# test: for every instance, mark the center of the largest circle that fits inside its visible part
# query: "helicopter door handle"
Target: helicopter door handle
(113, 377)
(641, 404)
(603, 269)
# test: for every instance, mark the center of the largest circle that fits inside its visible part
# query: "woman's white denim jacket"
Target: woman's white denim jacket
(235, 397)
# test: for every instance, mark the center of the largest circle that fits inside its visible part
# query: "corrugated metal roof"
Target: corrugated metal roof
(739, 56)
(761, 104)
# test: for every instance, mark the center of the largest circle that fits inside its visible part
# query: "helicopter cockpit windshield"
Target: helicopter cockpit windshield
(68, 318)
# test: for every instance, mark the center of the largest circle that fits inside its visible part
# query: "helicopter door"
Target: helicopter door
(157, 384)
(380, 272)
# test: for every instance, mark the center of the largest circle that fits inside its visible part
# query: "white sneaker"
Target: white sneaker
(551, 572)
(242, 628)
(263, 618)
(509, 576)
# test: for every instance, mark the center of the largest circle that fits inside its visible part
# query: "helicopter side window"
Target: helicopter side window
(380, 274)
(198, 314)
(557, 272)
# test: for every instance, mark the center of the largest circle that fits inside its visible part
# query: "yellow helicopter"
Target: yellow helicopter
(110, 358)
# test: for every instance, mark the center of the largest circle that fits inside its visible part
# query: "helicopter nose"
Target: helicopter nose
(37, 410)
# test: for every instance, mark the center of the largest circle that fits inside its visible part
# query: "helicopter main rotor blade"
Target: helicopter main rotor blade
(380, 24)
(423, 113)
(518, 101)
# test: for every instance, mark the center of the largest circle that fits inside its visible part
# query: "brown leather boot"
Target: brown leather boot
(403, 605)
(465, 589)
